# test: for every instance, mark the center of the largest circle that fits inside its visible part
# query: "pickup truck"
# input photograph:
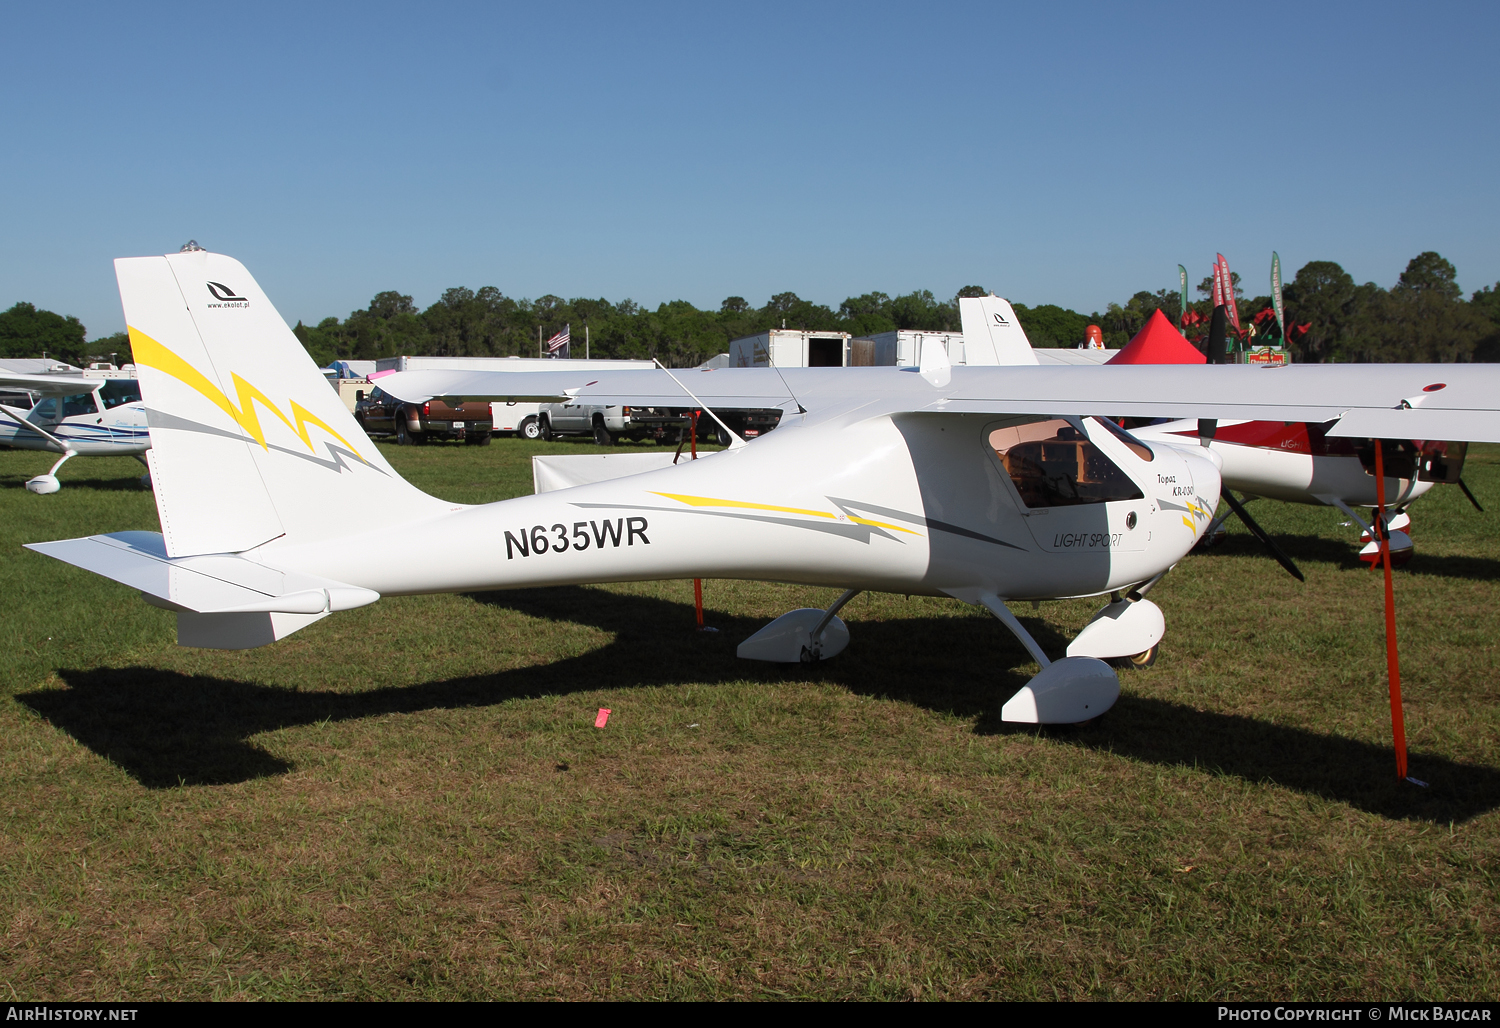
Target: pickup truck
(606, 424)
(380, 413)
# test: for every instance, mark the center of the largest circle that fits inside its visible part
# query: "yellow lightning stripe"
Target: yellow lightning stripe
(882, 524)
(1189, 522)
(149, 352)
(709, 501)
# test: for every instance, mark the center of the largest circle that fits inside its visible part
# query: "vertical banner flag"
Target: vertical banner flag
(1276, 295)
(1228, 280)
(557, 346)
(1182, 311)
(1218, 284)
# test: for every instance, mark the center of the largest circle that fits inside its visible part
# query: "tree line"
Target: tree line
(1423, 317)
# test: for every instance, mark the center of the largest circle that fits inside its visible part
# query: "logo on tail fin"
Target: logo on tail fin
(228, 296)
(223, 292)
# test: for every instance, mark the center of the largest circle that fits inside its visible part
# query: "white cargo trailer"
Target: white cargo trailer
(520, 418)
(790, 348)
(903, 349)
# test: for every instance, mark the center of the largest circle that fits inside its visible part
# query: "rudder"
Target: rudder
(992, 332)
(248, 441)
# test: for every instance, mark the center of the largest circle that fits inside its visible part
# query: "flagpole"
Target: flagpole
(585, 340)
(539, 341)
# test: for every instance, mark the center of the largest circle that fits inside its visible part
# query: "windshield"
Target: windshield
(1054, 465)
(1137, 447)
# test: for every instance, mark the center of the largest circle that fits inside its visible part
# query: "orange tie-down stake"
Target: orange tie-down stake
(1392, 662)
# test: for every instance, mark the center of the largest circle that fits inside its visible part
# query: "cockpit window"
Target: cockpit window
(1055, 465)
(1137, 447)
(119, 391)
(79, 403)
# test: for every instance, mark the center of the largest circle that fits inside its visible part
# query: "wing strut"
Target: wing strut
(1260, 533)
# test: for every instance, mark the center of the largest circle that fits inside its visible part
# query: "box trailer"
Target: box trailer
(520, 418)
(903, 349)
(790, 348)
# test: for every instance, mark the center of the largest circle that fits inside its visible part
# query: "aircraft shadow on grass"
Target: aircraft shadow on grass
(1308, 550)
(167, 729)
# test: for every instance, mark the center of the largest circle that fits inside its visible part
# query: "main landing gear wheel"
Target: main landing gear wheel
(1138, 661)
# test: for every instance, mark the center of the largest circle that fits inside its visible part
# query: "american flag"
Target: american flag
(557, 346)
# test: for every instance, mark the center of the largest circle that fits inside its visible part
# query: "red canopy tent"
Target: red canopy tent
(1158, 343)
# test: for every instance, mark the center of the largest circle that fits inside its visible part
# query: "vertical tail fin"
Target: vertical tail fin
(248, 441)
(992, 332)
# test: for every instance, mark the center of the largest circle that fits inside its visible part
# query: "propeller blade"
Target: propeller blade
(1260, 533)
(1218, 330)
(1464, 486)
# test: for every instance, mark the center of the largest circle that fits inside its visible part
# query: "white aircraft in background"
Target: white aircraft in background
(987, 484)
(96, 412)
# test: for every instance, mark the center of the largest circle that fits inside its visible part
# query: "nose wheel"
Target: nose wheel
(1138, 661)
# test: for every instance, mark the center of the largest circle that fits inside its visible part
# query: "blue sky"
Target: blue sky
(1056, 153)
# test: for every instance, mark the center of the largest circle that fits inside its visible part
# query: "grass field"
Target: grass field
(410, 800)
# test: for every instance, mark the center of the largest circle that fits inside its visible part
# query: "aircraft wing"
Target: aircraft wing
(1392, 401)
(50, 385)
(645, 387)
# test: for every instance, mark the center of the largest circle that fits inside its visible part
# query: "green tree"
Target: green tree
(792, 311)
(867, 315)
(1423, 319)
(922, 311)
(116, 345)
(1324, 297)
(26, 331)
(1486, 302)
(1049, 325)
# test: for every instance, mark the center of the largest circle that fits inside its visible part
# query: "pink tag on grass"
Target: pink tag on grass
(603, 717)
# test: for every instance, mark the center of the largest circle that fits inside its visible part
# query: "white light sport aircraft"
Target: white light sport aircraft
(987, 484)
(97, 413)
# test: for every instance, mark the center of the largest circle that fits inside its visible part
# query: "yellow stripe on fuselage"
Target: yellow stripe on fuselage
(709, 501)
(147, 351)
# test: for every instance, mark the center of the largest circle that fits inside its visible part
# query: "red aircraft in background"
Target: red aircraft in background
(1298, 462)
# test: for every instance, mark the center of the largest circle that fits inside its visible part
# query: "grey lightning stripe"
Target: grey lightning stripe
(919, 519)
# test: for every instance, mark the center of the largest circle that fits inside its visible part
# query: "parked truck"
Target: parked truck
(520, 418)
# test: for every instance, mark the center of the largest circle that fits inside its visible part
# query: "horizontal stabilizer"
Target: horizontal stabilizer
(245, 597)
